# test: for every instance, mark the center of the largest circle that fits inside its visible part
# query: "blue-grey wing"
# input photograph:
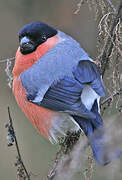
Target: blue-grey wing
(65, 95)
(88, 73)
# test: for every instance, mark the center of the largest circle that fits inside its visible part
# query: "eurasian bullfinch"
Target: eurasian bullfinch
(58, 86)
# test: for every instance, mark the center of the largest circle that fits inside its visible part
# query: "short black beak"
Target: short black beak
(26, 45)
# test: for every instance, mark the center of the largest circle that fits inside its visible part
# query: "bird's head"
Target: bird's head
(34, 34)
(35, 39)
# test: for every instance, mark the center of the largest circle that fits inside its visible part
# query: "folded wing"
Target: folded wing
(66, 94)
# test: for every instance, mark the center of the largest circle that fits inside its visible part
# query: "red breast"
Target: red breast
(40, 117)
(24, 62)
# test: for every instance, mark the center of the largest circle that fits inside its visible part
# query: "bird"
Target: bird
(58, 85)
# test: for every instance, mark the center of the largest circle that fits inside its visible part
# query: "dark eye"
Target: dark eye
(44, 38)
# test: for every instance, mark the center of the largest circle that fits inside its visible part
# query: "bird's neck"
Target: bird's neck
(24, 62)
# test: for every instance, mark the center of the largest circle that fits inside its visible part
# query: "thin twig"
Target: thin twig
(67, 152)
(118, 92)
(79, 6)
(66, 145)
(16, 144)
(52, 172)
(104, 57)
(5, 60)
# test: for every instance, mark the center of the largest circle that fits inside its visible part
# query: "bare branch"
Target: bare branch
(79, 6)
(104, 57)
(52, 172)
(5, 60)
(111, 96)
(66, 146)
(21, 169)
(8, 72)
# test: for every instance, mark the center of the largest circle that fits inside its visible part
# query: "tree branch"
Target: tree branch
(5, 60)
(118, 92)
(21, 171)
(104, 57)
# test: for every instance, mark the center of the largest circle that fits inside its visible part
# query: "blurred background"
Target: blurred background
(37, 152)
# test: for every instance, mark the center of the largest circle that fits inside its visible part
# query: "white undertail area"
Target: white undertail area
(62, 123)
(88, 97)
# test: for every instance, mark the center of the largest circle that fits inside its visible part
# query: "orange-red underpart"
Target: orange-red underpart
(40, 117)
